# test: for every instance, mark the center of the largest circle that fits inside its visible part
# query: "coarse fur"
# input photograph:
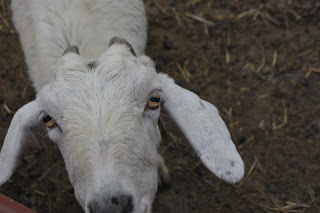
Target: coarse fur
(107, 134)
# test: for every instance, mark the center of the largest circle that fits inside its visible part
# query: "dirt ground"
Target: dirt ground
(257, 61)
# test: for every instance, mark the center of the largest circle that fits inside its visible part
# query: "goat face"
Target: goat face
(107, 133)
(104, 117)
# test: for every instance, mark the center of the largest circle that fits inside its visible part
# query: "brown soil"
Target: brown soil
(250, 58)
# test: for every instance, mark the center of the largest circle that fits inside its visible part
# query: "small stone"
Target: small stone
(173, 3)
(304, 82)
(166, 44)
(242, 138)
(315, 128)
(307, 134)
(205, 47)
(261, 124)
(199, 170)
(192, 70)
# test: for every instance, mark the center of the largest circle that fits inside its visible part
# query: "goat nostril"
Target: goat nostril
(125, 202)
(114, 200)
(130, 204)
(90, 208)
(121, 203)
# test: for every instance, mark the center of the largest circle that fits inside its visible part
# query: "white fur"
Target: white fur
(47, 28)
(106, 133)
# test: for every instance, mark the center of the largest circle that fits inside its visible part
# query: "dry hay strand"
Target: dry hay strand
(185, 74)
(200, 19)
(25, 89)
(274, 59)
(161, 8)
(5, 106)
(310, 70)
(289, 207)
(285, 118)
(247, 142)
(266, 17)
(45, 174)
(248, 176)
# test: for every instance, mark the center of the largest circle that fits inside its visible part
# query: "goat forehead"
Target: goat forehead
(118, 79)
(113, 92)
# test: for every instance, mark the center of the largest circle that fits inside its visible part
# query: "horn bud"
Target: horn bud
(71, 49)
(117, 40)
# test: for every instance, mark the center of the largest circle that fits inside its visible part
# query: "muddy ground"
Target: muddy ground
(257, 61)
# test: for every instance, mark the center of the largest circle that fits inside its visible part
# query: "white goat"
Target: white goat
(102, 107)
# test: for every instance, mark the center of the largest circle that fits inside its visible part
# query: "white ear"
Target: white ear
(18, 135)
(204, 128)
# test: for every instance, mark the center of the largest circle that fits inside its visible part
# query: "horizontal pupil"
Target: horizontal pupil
(47, 119)
(154, 99)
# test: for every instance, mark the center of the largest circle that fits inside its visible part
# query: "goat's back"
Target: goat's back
(46, 28)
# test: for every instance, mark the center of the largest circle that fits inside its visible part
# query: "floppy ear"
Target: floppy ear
(199, 120)
(18, 135)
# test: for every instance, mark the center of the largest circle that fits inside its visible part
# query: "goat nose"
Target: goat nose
(113, 204)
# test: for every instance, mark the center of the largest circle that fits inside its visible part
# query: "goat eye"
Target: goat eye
(48, 121)
(154, 101)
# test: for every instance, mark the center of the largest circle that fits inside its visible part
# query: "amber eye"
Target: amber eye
(154, 101)
(48, 121)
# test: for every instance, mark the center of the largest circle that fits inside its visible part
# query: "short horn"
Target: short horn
(71, 49)
(117, 40)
